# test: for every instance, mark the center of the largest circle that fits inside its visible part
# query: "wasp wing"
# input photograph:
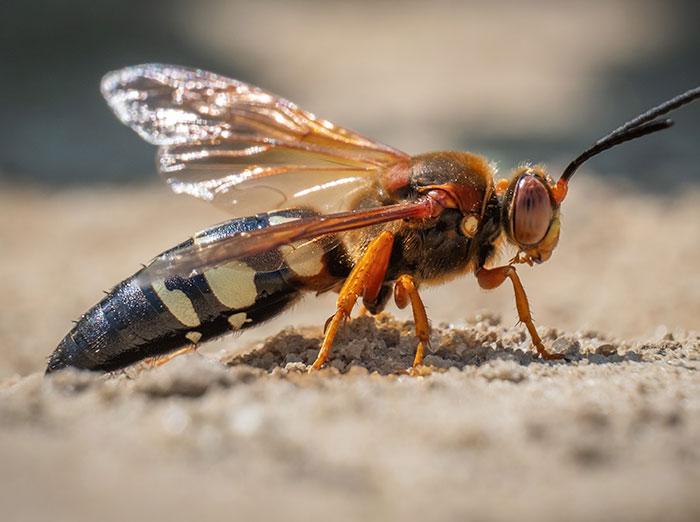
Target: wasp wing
(203, 254)
(241, 147)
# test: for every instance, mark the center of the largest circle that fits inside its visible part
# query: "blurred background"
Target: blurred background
(517, 81)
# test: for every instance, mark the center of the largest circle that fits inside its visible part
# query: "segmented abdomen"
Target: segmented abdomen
(136, 321)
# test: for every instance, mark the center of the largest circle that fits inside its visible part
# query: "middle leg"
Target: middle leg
(404, 290)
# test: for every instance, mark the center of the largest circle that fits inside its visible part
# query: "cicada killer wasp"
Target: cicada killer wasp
(319, 208)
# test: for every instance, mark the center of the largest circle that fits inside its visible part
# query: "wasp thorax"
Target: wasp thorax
(532, 211)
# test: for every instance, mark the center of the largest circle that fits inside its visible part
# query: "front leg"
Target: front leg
(494, 277)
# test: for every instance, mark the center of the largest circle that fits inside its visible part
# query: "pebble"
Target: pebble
(566, 345)
(606, 349)
(503, 370)
(597, 358)
(436, 361)
(296, 366)
(292, 358)
(357, 371)
(338, 364)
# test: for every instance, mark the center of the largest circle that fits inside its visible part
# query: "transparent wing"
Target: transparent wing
(203, 255)
(241, 147)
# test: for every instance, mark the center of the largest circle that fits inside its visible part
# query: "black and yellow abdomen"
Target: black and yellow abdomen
(136, 320)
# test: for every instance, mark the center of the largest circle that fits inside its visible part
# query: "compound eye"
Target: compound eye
(532, 211)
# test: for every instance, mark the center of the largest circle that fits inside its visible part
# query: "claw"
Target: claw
(549, 356)
(420, 371)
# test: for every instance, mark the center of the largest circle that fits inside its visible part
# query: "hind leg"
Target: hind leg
(405, 290)
(160, 360)
(365, 280)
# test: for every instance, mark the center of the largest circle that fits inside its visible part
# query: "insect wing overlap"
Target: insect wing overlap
(248, 151)
(201, 256)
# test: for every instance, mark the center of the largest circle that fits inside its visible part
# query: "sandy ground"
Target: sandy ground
(612, 432)
(239, 431)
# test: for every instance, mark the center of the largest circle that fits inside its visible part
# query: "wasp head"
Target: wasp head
(530, 213)
(530, 200)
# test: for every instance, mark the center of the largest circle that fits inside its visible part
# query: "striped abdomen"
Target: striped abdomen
(136, 321)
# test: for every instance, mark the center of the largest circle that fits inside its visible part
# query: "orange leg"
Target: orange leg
(405, 289)
(491, 278)
(162, 359)
(364, 280)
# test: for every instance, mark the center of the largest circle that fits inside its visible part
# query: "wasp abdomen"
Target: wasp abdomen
(136, 320)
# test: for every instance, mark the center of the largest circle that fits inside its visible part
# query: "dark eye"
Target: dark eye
(532, 211)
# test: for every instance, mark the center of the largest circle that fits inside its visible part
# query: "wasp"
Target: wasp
(316, 208)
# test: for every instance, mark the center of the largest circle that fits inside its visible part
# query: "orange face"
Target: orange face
(531, 213)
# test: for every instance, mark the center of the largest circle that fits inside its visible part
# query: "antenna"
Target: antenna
(646, 123)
